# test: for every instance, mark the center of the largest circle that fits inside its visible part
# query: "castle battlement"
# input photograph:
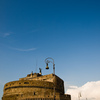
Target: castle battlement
(36, 86)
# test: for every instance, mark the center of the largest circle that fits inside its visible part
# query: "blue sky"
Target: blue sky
(66, 30)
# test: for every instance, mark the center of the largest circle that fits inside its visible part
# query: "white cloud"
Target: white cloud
(31, 49)
(73, 87)
(90, 90)
(7, 34)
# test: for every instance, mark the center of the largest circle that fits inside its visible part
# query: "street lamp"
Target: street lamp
(48, 61)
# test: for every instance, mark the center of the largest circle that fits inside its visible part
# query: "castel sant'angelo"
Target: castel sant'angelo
(36, 86)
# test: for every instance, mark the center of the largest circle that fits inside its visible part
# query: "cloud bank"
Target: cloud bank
(89, 91)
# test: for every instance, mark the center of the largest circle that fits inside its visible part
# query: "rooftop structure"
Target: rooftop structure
(36, 86)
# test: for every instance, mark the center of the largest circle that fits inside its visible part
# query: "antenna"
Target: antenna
(36, 66)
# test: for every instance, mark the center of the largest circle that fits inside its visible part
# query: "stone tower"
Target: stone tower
(36, 86)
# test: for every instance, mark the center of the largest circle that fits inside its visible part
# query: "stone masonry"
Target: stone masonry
(36, 87)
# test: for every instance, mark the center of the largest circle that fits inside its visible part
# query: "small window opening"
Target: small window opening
(26, 82)
(34, 93)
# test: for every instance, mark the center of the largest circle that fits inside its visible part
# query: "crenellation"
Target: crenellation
(34, 86)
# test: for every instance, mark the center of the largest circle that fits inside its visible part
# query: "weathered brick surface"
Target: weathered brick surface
(35, 87)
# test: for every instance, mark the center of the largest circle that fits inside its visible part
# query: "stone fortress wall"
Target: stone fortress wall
(35, 87)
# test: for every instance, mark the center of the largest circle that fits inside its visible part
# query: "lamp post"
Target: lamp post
(48, 61)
